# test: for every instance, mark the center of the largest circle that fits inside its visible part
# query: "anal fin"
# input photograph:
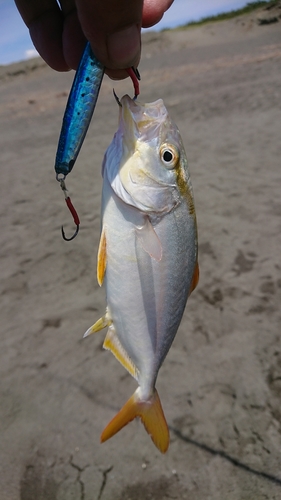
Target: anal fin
(113, 344)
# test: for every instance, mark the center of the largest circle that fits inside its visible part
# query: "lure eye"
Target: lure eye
(169, 156)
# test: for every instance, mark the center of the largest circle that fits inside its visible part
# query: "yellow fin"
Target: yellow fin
(101, 264)
(103, 322)
(113, 344)
(151, 415)
(195, 278)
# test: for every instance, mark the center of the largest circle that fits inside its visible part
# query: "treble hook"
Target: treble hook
(71, 209)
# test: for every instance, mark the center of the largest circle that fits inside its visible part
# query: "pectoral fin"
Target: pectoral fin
(149, 240)
(101, 264)
(151, 415)
(113, 344)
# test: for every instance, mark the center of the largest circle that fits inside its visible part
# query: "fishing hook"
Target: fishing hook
(71, 209)
(117, 99)
(135, 77)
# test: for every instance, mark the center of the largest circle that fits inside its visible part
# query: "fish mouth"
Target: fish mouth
(142, 121)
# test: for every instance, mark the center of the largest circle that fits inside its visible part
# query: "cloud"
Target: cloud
(30, 53)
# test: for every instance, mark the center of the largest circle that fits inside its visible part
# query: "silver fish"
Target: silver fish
(147, 254)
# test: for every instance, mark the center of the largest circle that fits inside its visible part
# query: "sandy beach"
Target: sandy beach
(220, 384)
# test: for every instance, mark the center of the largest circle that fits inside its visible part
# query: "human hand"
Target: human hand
(111, 26)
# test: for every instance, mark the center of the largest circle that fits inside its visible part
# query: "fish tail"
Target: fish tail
(151, 414)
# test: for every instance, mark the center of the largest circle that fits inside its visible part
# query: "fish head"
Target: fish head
(148, 167)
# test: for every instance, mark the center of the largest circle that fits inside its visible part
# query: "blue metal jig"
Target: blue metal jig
(79, 110)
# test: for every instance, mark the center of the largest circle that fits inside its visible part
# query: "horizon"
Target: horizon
(16, 44)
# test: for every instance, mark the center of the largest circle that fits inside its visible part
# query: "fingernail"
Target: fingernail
(124, 46)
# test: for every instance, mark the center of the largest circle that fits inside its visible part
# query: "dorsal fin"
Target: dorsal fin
(195, 278)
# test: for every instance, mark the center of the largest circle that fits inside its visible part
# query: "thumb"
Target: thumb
(113, 30)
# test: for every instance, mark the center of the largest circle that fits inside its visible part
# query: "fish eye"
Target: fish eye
(169, 156)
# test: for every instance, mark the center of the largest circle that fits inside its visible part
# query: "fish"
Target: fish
(147, 255)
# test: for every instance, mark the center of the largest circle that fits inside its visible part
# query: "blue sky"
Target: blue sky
(15, 44)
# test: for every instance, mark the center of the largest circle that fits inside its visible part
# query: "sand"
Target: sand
(220, 384)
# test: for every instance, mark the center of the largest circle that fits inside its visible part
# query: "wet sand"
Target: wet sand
(220, 385)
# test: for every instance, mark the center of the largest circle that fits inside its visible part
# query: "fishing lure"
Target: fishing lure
(79, 111)
(77, 117)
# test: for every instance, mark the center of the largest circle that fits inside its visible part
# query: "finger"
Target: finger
(45, 22)
(153, 11)
(113, 29)
(73, 38)
(112, 26)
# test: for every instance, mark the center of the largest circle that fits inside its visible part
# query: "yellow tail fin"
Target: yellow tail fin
(151, 415)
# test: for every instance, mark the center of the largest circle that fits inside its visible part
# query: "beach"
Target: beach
(220, 385)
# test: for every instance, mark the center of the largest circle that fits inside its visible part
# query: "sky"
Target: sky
(15, 43)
